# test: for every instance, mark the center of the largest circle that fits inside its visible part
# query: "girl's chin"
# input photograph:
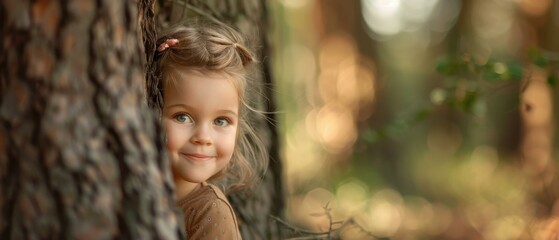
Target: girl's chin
(190, 179)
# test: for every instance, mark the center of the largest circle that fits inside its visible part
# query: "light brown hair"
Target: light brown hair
(218, 48)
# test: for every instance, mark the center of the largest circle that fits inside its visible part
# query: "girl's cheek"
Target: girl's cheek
(230, 139)
(172, 137)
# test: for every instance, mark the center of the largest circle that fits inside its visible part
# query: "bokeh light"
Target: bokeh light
(384, 214)
(385, 18)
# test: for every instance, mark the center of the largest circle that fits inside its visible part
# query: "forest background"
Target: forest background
(421, 119)
(388, 119)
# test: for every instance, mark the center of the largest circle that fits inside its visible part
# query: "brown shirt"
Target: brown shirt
(208, 214)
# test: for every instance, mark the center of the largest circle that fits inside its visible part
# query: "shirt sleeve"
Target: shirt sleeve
(216, 220)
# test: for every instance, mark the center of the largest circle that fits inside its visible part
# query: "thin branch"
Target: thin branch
(299, 230)
(357, 225)
(327, 210)
(302, 238)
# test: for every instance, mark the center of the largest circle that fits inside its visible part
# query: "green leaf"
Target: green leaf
(537, 58)
(515, 71)
(469, 101)
(541, 62)
(492, 76)
(422, 114)
(489, 71)
(371, 136)
(448, 66)
(551, 80)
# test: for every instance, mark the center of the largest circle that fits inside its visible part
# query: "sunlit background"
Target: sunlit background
(379, 127)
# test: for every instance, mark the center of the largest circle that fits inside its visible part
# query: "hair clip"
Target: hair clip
(163, 46)
(168, 43)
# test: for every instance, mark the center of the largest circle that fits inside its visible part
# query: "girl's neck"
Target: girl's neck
(184, 188)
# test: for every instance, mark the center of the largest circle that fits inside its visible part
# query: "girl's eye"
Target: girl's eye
(183, 118)
(222, 122)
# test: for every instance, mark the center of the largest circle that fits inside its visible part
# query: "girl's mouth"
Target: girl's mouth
(197, 157)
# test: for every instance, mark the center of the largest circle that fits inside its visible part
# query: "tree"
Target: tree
(81, 157)
(251, 18)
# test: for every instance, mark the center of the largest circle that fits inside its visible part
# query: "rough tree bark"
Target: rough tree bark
(251, 18)
(80, 156)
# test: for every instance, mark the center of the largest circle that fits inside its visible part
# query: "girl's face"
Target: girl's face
(200, 116)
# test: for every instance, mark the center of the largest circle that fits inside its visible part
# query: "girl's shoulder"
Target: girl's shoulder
(207, 212)
(215, 191)
(206, 199)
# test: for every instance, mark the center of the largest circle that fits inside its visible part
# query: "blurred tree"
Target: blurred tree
(539, 111)
(80, 155)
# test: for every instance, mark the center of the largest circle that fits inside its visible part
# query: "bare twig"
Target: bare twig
(300, 230)
(301, 238)
(327, 211)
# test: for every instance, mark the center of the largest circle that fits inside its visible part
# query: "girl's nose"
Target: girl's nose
(201, 135)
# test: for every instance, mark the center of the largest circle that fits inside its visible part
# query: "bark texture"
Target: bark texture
(80, 155)
(251, 18)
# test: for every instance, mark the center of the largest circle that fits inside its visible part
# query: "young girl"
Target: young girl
(203, 79)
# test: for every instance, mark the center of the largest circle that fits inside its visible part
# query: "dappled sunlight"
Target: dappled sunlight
(497, 209)
(302, 161)
(384, 213)
(423, 217)
(335, 128)
(351, 197)
(331, 99)
(311, 211)
(382, 16)
(355, 86)
(507, 227)
(345, 86)
(386, 18)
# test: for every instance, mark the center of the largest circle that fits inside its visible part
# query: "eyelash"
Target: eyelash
(176, 116)
(229, 122)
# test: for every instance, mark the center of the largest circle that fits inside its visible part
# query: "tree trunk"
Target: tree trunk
(80, 155)
(250, 17)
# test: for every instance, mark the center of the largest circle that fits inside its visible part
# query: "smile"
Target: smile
(197, 157)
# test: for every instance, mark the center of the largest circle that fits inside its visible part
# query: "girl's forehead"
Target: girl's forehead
(200, 90)
(180, 73)
(176, 74)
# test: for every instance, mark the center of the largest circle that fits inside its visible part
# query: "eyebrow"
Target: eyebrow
(229, 111)
(189, 107)
(177, 105)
